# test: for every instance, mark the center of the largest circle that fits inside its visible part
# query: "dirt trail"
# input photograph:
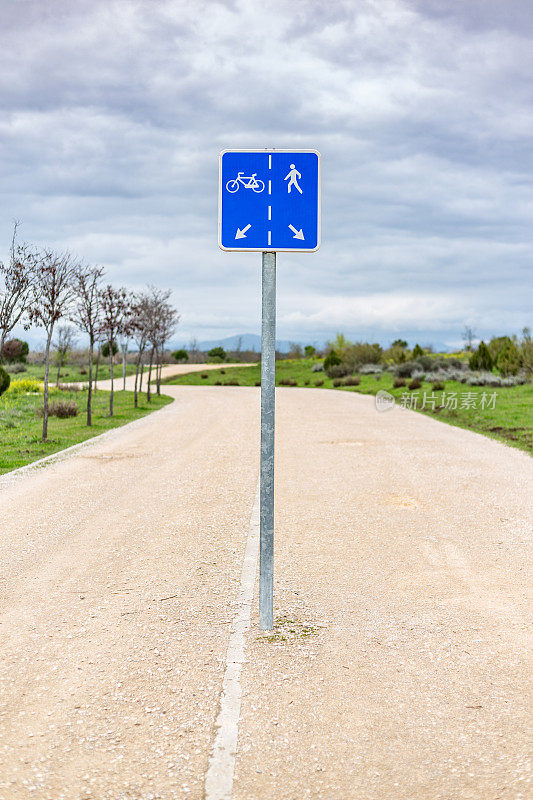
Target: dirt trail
(398, 665)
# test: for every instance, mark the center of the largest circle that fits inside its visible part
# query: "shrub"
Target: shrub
(338, 370)
(307, 382)
(415, 384)
(218, 383)
(481, 358)
(331, 360)
(425, 362)
(5, 380)
(69, 387)
(508, 359)
(25, 386)
(417, 351)
(338, 382)
(319, 383)
(15, 350)
(106, 349)
(363, 353)
(217, 352)
(180, 355)
(17, 367)
(369, 369)
(398, 382)
(438, 386)
(204, 375)
(319, 367)
(258, 383)
(222, 371)
(309, 351)
(288, 382)
(351, 380)
(83, 371)
(60, 408)
(406, 369)
(232, 383)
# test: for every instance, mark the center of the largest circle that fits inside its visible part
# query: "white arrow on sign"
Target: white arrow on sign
(242, 234)
(297, 234)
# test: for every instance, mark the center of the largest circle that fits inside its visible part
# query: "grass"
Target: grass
(21, 428)
(509, 421)
(70, 373)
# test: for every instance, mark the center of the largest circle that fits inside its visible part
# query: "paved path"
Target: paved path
(397, 669)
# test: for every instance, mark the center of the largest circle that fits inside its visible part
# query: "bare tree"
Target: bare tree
(86, 315)
(167, 322)
(157, 298)
(64, 342)
(115, 306)
(16, 280)
(52, 294)
(468, 337)
(140, 325)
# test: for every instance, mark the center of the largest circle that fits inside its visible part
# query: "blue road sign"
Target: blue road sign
(269, 200)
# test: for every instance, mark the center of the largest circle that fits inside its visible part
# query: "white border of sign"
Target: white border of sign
(268, 249)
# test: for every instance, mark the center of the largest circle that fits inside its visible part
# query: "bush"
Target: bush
(363, 353)
(417, 351)
(508, 359)
(331, 360)
(352, 380)
(18, 367)
(204, 375)
(180, 355)
(307, 382)
(258, 383)
(398, 382)
(481, 358)
(370, 369)
(218, 383)
(61, 409)
(288, 382)
(106, 349)
(317, 367)
(222, 371)
(5, 380)
(232, 383)
(319, 383)
(415, 384)
(309, 351)
(83, 371)
(438, 386)
(15, 350)
(217, 352)
(25, 386)
(338, 382)
(338, 370)
(406, 369)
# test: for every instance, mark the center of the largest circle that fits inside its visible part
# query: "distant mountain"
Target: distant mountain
(246, 341)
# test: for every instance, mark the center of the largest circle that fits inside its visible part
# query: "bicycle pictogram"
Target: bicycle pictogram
(248, 182)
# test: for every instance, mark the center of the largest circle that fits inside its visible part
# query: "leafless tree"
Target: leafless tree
(64, 342)
(86, 315)
(51, 297)
(140, 326)
(167, 322)
(16, 280)
(468, 337)
(115, 306)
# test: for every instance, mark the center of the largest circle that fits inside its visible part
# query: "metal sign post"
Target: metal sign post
(269, 201)
(268, 389)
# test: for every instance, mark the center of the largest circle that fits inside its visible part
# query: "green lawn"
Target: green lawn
(510, 420)
(21, 428)
(71, 373)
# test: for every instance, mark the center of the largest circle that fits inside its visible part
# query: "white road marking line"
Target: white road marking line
(270, 187)
(270, 212)
(269, 238)
(219, 777)
(270, 162)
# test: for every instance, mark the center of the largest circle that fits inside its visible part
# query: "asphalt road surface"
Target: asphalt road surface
(398, 667)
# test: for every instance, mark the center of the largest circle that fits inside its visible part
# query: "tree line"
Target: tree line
(42, 287)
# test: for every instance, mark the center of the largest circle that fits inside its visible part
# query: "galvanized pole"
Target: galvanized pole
(268, 385)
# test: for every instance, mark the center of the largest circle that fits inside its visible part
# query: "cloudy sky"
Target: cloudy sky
(114, 112)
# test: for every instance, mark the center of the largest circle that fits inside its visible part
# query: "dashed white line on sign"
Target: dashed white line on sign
(270, 212)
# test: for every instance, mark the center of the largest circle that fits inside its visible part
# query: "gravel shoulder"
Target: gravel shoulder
(398, 666)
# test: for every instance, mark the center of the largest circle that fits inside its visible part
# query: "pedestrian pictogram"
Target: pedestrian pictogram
(293, 174)
(269, 200)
